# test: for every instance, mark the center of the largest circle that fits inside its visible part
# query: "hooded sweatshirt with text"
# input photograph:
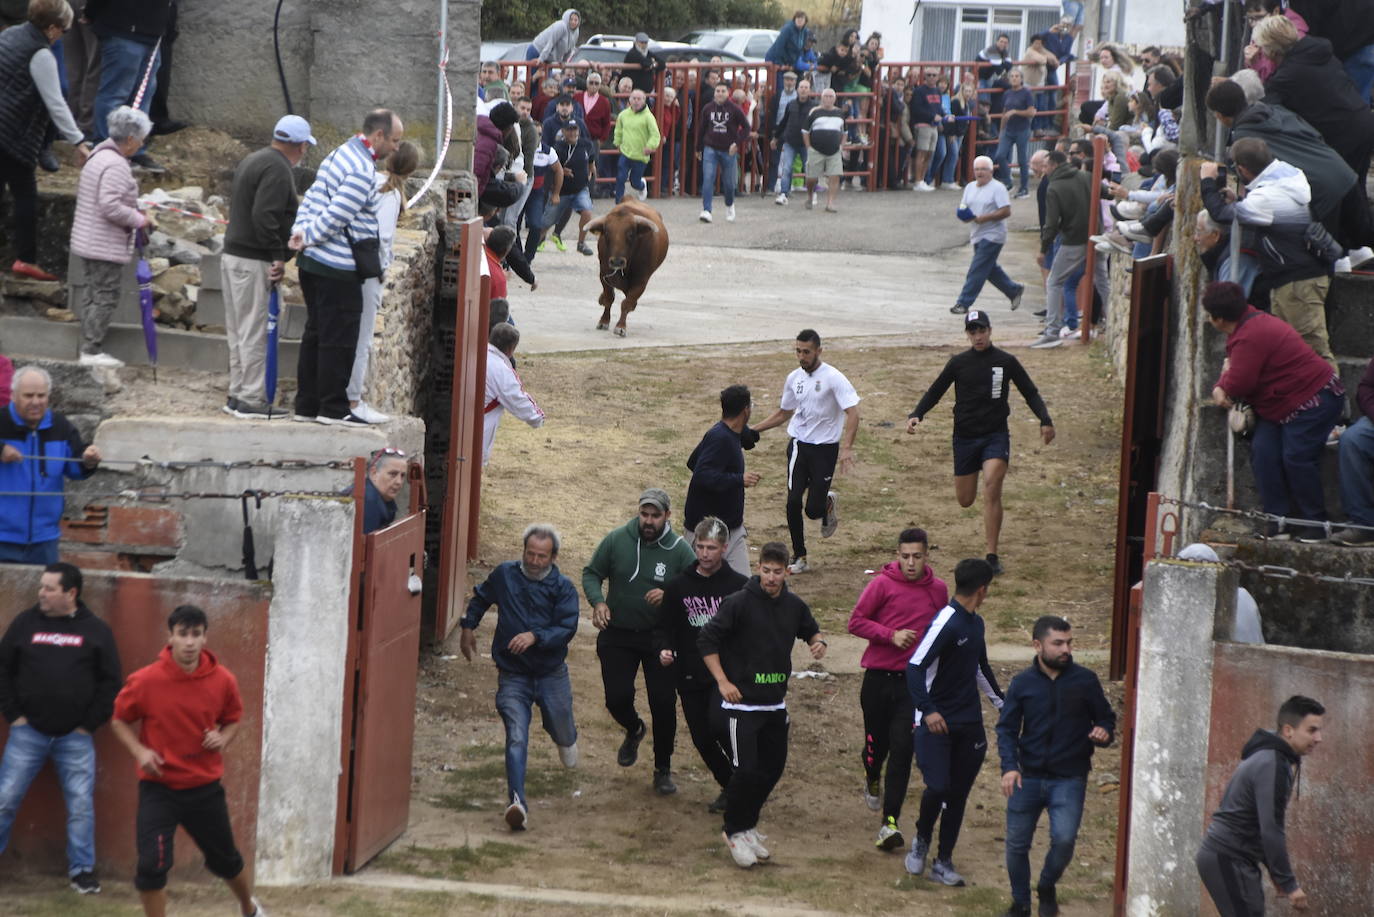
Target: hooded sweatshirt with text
(753, 633)
(633, 567)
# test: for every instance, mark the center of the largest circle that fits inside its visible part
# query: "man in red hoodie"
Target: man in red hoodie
(892, 614)
(187, 709)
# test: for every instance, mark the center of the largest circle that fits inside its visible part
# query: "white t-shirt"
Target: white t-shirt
(818, 401)
(982, 199)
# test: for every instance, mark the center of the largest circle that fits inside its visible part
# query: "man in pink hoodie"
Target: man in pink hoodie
(893, 613)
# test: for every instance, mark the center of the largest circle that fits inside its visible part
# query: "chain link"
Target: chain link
(289, 464)
(1260, 516)
(152, 494)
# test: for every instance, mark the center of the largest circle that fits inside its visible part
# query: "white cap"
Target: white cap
(293, 129)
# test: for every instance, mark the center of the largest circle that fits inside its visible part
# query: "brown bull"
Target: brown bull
(632, 242)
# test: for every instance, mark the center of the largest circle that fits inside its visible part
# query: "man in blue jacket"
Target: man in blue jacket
(718, 475)
(537, 621)
(29, 520)
(1053, 716)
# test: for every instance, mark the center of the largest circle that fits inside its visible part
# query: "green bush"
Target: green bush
(663, 19)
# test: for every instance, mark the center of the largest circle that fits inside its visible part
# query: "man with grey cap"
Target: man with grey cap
(262, 208)
(634, 561)
(649, 64)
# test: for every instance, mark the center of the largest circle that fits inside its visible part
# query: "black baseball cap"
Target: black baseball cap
(976, 318)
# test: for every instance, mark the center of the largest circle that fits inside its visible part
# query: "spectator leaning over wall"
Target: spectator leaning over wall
(337, 218)
(558, 40)
(39, 450)
(262, 207)
(59, 673)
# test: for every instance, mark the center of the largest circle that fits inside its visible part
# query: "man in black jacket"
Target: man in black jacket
(649, 64)
(747, 648)
(718, 475)
(788, 133)
(130, 32)
(1247, 828)
(59, 674)
(1053, 715)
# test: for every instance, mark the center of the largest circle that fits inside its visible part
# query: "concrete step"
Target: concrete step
(210, 311)
(209, 275)
(1350, 315)
(185, 349)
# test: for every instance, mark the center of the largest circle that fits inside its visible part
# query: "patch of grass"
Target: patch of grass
(482, 783)
(60, 904)
(449, 862)
(979, 902)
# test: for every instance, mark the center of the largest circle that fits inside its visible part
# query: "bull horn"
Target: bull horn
(597, 225)
(643, 221)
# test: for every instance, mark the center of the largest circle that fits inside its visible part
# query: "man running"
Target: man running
(1247, 828)
(747, 647)
(636, 560)
(982, 441)
(893, 613)
(944, 676)
(718, 475)
(1054, 714)
(821, 410)
(690, 600)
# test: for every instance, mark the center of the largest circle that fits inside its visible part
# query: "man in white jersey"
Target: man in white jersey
(821, 410)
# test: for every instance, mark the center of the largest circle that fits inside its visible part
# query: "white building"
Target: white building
(916, 30)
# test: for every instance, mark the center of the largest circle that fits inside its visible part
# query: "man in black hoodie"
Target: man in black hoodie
(59, 674)
(1247, 828)
(747, 647)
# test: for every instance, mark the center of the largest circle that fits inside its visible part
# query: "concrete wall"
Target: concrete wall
(1330, 823)
(307, 648)
(1182, 603)
(136, 608)
(341, 58)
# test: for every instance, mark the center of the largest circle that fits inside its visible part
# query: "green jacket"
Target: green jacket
(633, 568)
(1067, 202)
(636, 131)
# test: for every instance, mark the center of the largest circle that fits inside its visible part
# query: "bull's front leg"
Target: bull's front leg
(606, 300)
(627, 305)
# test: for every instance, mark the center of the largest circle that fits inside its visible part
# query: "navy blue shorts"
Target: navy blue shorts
(971, 452)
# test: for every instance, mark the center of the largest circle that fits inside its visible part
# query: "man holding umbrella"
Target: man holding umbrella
(262, 209)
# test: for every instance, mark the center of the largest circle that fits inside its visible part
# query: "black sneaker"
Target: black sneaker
(48, 161)
(170, 126)
(1017, 910)
(1049, 902)
(957, 309)
(1041, 314)
(1311, 534)
(663, 782)
(584, 248)
(1272, 531)
(348, 420)
(629, 749)
(147, 163)
(717, 805)
(85, 883)
(1353, 537)
(995, 564)
(249, 411)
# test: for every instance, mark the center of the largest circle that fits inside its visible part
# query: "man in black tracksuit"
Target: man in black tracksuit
(982, 442)
(747, 647)
(944, 676)
(690, 600)
(718, 475)
(1053, 716)
(1247, 828)
(59, 674)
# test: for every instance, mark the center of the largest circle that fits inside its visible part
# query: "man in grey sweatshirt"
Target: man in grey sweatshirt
(1247, 828)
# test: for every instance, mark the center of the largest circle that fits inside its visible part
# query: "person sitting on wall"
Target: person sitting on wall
(386, 475)
(1297, 400)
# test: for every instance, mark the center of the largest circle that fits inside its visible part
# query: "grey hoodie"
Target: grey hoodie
(557, 42)
(1248, 824)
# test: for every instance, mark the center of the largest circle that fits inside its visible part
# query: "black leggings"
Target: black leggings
(23, 185)
(701, 710)
(949, 763)
(888, 721)
(810, 469)
(622, 652)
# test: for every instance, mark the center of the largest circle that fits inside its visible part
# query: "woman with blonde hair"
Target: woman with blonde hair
(391, 201)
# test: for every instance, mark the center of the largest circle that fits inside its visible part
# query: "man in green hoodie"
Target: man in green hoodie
(636, 136)
(635, 561)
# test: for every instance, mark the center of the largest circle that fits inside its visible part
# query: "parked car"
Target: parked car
(750, 44)
(502, 50)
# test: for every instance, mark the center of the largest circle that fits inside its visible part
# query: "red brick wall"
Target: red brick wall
(1330, 822)
(136, 608)
(130, 538)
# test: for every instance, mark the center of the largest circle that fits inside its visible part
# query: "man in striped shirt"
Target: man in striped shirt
(339, 209)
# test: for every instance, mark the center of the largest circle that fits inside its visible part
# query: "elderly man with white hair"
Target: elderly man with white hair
(107, 218)
(985, 205)
(31, 513)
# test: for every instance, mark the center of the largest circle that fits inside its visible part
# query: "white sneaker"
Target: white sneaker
(1067, 332)
(516, 815)
(755, 842)
(99, 359)
(643, 193)
(832, 515)
(568, 755)
(730, 213)
(922, 186)
(1342, 266)
(365, 411)
(811, 201)
(1360, 255)
(258, 909)
(1047, 340)
(780, 200)
(798, 566)
(740, 849)
(952, 186)
(705, 216)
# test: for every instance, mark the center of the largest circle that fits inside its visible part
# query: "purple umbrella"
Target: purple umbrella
(144, 274)
(273, 320)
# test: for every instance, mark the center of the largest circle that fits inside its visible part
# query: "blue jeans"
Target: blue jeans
(985, 269)
(1360, 66)
(1046, 99)
(1063, 797)
(789, 155)
(534, 220)
(951, 164)
(713, 161)
(1071, 294)
(634, 170)
(937, 158)
(122, 63)
(1020, 138)
(1286, 460)
(1357, 472)
(42, 552)
(515, 695)
(73, 757)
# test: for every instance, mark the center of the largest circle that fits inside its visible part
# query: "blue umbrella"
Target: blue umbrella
(144, 275)
(273, 320)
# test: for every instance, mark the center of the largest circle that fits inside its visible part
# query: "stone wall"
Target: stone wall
(1118, 325)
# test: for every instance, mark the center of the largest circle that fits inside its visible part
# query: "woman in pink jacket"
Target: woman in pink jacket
(892, 614)
(107, 216)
